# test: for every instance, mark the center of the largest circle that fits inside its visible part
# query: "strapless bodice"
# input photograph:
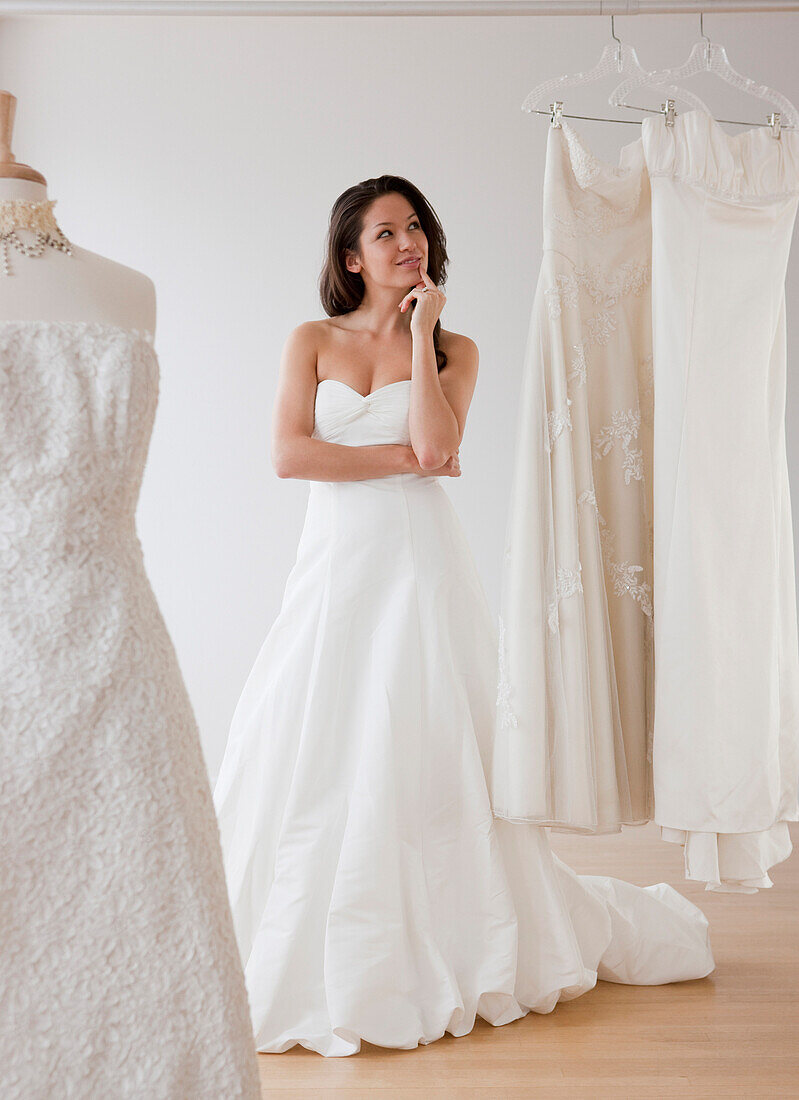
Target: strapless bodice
(77, 401)
(342, 415)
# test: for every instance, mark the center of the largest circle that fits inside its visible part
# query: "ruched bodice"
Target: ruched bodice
(343, 415)
(750, 167)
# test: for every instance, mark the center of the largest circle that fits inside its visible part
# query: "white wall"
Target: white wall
(207, 152)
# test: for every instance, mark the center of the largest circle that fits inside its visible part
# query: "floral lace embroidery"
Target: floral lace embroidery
(600, 327)
(557, 422)
(626, 582)
(563, 294)
(578, 369)
(591, 221)
(585, 165)
(506, 716)
(624, 427)
(604, 288)
(118, 944)
(623, 574)
(567, 583)
(588, 496)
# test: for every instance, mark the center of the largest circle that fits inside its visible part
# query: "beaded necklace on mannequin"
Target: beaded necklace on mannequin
(24, 206)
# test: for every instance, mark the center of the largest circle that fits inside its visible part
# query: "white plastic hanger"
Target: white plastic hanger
(707, 56)
(617, 57)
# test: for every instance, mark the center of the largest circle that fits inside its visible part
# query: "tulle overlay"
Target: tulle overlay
(574, 709)
(375, 896)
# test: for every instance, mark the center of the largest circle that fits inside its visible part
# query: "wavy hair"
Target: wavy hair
(340, 290)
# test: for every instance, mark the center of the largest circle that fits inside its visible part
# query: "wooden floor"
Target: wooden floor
(735, 1033)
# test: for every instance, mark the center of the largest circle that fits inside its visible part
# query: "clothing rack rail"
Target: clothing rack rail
(387, 7)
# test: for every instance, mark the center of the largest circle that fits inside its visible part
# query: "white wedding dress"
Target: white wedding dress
(575, 705)
(375, 897)
(726, 738)
(119, 974)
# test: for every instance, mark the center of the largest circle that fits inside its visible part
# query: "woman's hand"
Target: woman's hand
(429, 303)
(451, 468)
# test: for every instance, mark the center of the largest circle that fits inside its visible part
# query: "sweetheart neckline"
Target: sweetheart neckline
(363, 396)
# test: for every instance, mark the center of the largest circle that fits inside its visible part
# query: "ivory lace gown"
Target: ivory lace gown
(574, 708)
(120, 975)
(726, 760)
(374, 895)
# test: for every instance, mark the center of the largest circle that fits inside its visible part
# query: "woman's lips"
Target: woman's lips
(409, 263)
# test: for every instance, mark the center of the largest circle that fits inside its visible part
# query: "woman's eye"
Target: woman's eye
(388, 230)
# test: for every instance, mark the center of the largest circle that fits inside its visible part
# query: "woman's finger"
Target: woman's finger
(406, 301)
(426, 280)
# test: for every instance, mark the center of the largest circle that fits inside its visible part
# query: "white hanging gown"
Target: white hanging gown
(374, 895)
(726, 741)
(119, 974)
(574, 710)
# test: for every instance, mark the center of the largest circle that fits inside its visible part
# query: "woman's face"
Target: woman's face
(391, 244)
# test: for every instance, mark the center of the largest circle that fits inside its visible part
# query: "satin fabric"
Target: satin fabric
(726, 739)
(375, 897)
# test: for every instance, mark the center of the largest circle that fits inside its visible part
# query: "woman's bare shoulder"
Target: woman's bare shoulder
(317, 333)
(458, 348)
(306, 331)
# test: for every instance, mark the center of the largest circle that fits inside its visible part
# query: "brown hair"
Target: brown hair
(341, 290)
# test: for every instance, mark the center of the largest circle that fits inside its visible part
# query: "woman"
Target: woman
(374, 895)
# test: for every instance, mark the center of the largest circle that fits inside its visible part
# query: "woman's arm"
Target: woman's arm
(439, 399)
(295, 454)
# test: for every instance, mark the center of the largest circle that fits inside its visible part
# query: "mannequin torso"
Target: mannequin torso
(81, 287)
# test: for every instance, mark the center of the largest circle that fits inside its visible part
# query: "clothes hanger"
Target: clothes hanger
(617, 57)
(707, 56)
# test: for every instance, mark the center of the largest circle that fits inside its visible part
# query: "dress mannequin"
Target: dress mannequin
(118, 942)
(55, 286)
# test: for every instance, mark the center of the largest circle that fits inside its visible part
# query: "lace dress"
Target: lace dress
(726, 759)
(574, 707)
(120, 975)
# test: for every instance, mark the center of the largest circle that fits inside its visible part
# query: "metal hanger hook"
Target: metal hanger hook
(702, 33)
(614, 35)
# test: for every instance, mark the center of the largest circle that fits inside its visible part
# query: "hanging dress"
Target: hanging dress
(726, 735)
(574, 706)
